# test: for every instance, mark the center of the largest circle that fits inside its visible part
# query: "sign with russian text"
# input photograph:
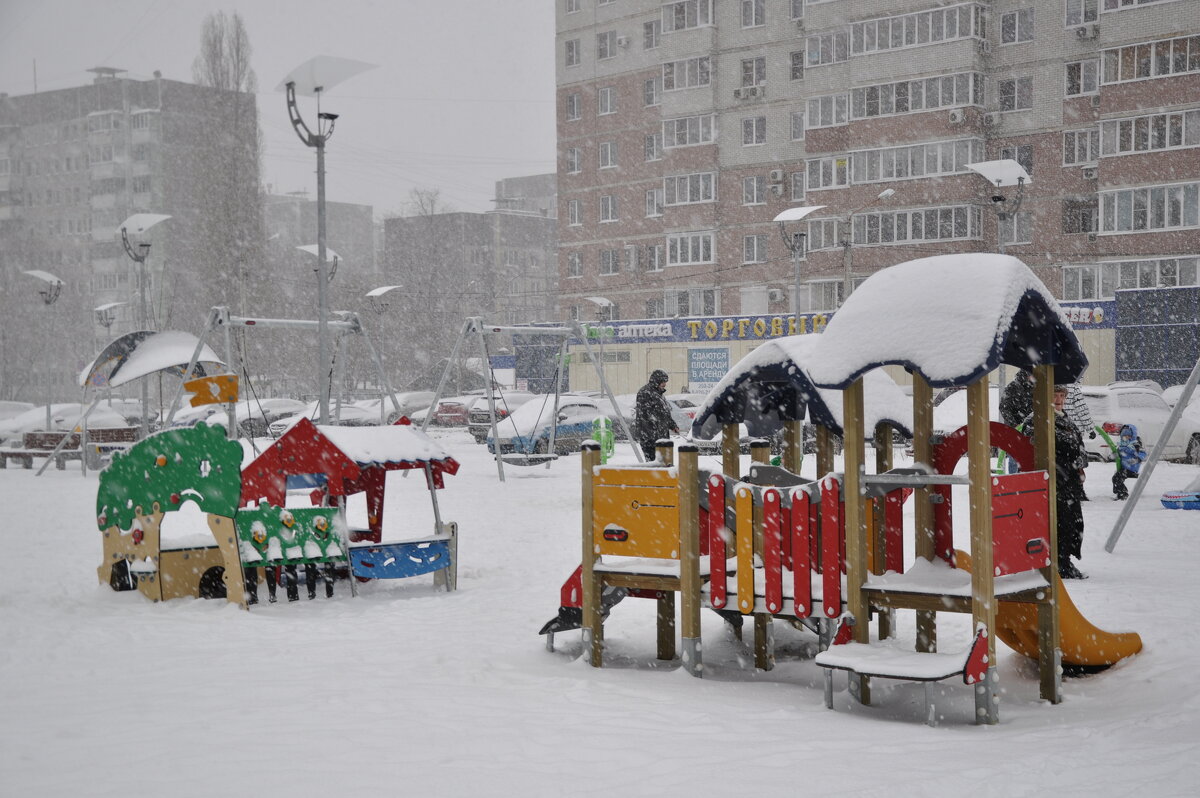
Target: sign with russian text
(706, 367)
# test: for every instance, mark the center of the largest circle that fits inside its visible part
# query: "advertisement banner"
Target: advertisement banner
(706, 367)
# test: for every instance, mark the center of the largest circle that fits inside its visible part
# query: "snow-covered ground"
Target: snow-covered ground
(407, 691)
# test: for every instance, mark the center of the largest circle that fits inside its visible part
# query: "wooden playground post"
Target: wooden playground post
(883, 464)
(922, 506)
(730, 451)
(689, 557)
(983, 577)
(824, 451)
(664, 451)
(1049, 653)
(793, 445)
(854, 452)
(592, 627)
(760, 452)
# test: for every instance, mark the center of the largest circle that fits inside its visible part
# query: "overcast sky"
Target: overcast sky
(463, 94)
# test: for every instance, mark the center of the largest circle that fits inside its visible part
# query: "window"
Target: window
(754, 131)
(828, 172)
(823, 234)
(908, 96)
(656, 308)
(945, 223)
(797, 180)
(797, 67)
(827, 48)
(1152, 132)
(1080, 215)
(685, 249)
(574, 265)
(915, 30)
(754, 190)
(686, 14)
(1015, 94)
(140, 184)
(606, 100)
(1101, 281)
(654, 202)
(754, 71)
(820, 295)
(827, 111)
(1117, 5)
(572, 6)
(651, 34)
(688, 131)
(571, 55)
(1081, 146)
(139, 121)
(918, 160)
(573, 107)
(101, 153)
(573, 161)
(606, 45)
(654, 258)
(652, 92)
(797, 126)
(1080, 11)
(1083, 77)
(574, 212)
(608, 154)
(754, 13)
(1016, 228)
(1022, 154)
(796, 7)
(1150, 208)
(1016, 26)
(686, 74)
(610, 262)
(653, 146)
(754, 249)
(692, 302)
(1152, 60)
(690, 189)
(608, 208)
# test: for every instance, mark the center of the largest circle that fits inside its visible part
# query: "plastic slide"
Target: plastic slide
(1082, 643)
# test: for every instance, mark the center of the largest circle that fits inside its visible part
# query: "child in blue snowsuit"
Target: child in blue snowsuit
(1129, 460)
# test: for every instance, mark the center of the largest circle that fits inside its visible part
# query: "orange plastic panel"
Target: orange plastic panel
(649, 517)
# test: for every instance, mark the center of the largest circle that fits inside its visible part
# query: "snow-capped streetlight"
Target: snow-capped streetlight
(1001, 174)
(848, 238)
(106, 314)
(311, 79)
(50, 291)
(332, 259)
(795, 244)
(136, 226)
(378, 298)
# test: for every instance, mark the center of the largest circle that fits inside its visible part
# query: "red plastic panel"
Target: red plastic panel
(718, 589)
(1020, 522)
(833, 534)
(802, 555)
(571, 593)
(773, 549)
(977, 658)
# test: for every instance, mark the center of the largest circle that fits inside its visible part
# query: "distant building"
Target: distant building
(290, 221)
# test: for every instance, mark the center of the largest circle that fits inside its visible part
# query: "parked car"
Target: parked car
(64, 416)
(9, 409)
(683, 408)
(451, 411)
(527, 430)
(479, 420)
(410, 402)
(1120, 403)
(348, 415)
(254, 416)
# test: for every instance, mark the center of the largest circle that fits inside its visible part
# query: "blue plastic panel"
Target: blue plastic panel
(400, 560)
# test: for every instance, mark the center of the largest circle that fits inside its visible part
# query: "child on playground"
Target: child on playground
(1129, 460)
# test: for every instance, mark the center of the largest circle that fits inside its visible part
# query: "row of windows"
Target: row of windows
(1150, 208)
(1152, 59)
(911, 30)
(1103, 280)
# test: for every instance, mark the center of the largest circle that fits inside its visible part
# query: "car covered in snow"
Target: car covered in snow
(1120, 403)
(479, 419)
(527, 430)
(344, 414)
(254, 416)
(63, 416)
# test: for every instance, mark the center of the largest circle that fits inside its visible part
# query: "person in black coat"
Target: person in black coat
(652, 414)
(1068, 483)
(1017, 401)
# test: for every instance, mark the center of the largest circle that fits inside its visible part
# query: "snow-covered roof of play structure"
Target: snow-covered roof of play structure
(381, 445)
(771, 384)
(144, 352)
(952, 318)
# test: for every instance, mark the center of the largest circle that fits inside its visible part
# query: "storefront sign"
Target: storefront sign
(712, 328)
(706, 367)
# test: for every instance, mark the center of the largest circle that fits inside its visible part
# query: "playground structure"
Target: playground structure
(829, 554)
(248, 513)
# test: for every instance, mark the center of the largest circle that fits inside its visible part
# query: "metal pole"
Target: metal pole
(797, 251)
(143, 322)
(323, 375)
(847, 259)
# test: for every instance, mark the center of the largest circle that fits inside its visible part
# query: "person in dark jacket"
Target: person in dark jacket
(1068, 447)
(652, 414)
(1017, 401)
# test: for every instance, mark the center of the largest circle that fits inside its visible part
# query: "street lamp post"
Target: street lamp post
(1001, 174)
(795, 245)
(848, 239)
(311, 78)
(50, 290)
(138, 224)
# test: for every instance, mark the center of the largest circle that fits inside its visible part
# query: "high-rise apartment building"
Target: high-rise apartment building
(686, 126)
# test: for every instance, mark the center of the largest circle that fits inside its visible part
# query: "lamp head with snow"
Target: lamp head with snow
(51, 285)
(137, 226)
(331, 257)
(106, 314)
(378, 297)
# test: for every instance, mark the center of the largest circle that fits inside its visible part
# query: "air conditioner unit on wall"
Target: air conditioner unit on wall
(775, 295)
(1089, 173)
(985, 47)
(776, 176)
(1088, 31)
(956, 116)
(991, 120)
(737, 94)
(622, 41)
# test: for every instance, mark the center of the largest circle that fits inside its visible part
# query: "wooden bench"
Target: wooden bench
(101, 441)
(887, 662)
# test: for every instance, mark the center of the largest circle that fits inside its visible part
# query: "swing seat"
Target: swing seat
(528, 459)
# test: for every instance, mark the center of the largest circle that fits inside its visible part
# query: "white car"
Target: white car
(527, 430)
(1120, 403)
(62, 417)
(348, 415)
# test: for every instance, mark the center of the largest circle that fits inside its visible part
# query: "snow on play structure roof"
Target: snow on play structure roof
(143, 352)
(771, 384)
(382, 445)
(952, 318)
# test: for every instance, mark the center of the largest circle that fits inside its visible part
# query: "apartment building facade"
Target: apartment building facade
(686, 127)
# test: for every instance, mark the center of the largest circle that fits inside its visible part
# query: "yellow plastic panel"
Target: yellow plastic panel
(646, 521)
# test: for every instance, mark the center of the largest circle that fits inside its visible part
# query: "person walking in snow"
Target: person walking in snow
(652, 415)
(1017, 402)
(1129, 460)
(1077, 411)
(1068, 446)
